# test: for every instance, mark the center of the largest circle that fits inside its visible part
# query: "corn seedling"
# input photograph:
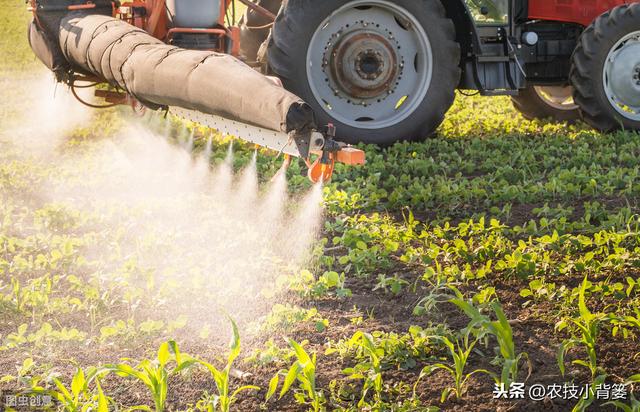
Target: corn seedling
(155, 373)
(588, 400)
(634, 404)
(78, 397)
(460, 350)
(223, 400)
(304, 371)
(588, 325)
(501, 330)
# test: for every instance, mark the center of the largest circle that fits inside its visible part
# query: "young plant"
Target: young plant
(223, 400)
(304, 371)
(460, 350)
(439, 292)
(79, 397)
(501, 330)
(634, 404)
(588, 325)
(394, 284)
(331, 281)
(155, 373)
(370, 370)
(586, 401)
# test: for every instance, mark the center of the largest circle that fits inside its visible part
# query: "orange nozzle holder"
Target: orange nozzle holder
(320, 171)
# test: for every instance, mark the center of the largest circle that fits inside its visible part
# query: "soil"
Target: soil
(533, 327)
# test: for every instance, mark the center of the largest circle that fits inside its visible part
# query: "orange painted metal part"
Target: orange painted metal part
(86, 6)
(351, 156)
(130, 17)
(320, 171)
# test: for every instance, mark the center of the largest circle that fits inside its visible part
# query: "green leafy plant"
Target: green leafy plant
(154, 374)
(79, 397)
(302, 370)
(459, 350)
(286, 317)
(393, 284)
(331, 281)
(439, 292)
(225, 397)
(586, 401)
(587, 326)
(370, 369)
(634, 404)
(501, 330)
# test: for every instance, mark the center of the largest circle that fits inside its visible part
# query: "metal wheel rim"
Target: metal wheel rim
(560, 98)
(621, 76)
(412, 47)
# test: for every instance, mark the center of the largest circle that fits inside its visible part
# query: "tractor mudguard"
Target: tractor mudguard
(466, 31)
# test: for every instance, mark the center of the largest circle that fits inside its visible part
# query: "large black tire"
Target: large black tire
(532, 106)
(588, 66)
(287, 56)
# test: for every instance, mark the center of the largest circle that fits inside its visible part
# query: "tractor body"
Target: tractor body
(387, 70)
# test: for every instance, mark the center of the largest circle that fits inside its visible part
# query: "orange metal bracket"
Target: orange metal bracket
(320, 171)
(351, 156)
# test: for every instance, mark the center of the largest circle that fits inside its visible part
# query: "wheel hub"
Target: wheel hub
(370, 64)
(622, 76)
(558, 97)
(363, 65)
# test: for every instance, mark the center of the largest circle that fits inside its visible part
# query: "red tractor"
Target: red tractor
(381, 71)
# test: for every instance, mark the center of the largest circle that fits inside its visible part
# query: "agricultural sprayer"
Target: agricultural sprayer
(309, 77)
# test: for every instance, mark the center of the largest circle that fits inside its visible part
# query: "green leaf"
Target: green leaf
(163, 354)
(332, 279)
(633, 379)
(562, 351)
(619, 405)
(244, 388)
(525, 293)
(102, 400)
(290, 378)
(235, 343)
(584, 311)
(78, 382)
(302, 356)
(63, 391)
(273, 386)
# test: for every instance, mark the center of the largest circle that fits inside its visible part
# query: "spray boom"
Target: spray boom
(315, 144)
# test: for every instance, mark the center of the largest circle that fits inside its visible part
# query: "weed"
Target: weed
(393, 284)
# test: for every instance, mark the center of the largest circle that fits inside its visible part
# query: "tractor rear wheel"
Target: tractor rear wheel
(381, 71)
(547, 102)
(606, 70)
